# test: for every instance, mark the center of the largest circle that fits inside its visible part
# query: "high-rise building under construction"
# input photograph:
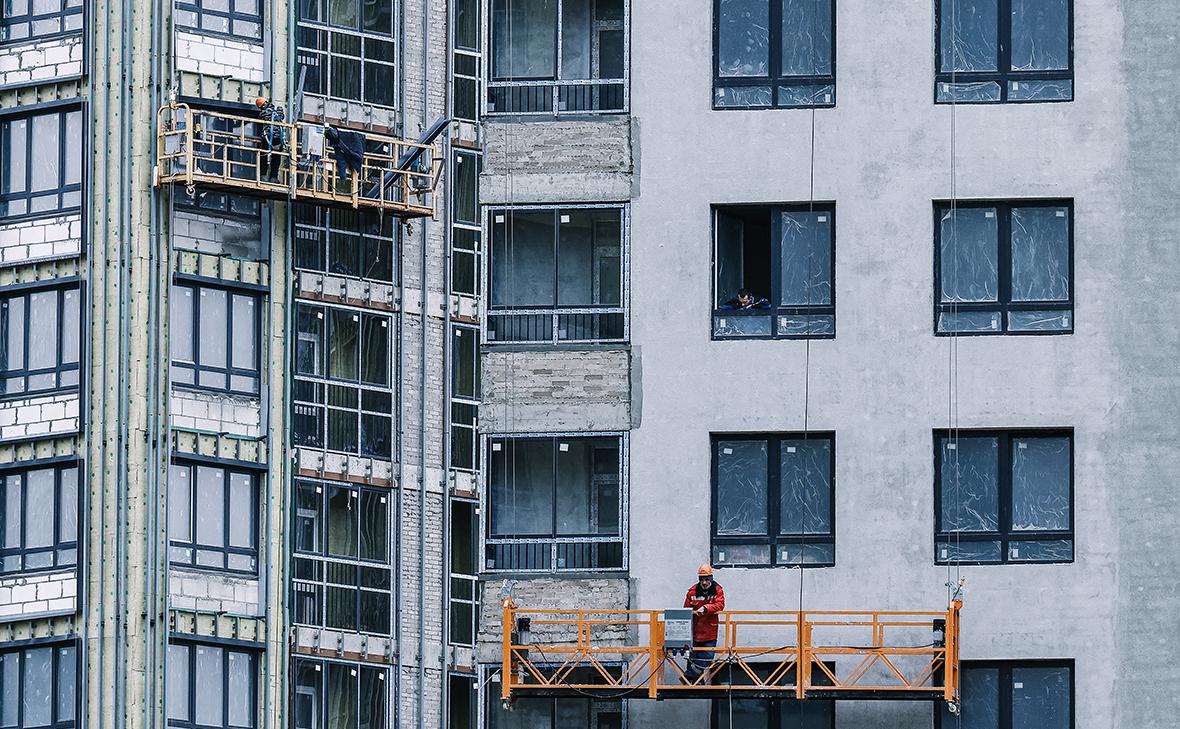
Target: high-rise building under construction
(333, 332)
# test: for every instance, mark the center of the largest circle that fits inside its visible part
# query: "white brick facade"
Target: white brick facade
(213, 592)
(38, 416)
(212, 413)
(43, 238)
(38, 594)
(214, 56)
(26, 63)
(216, 235)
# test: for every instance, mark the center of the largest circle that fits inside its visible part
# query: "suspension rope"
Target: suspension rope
(954, 585)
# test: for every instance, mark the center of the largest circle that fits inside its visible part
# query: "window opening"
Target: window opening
(213, 517)
(215, 338)
(41, 330)
(39, 523)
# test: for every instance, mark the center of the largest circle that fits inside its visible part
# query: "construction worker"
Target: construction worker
(274, 137)
(746, 300)
(706, 598)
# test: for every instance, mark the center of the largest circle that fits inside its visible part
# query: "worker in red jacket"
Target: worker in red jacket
(707, 599)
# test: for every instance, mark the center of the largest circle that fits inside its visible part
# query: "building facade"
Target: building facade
(277, 439)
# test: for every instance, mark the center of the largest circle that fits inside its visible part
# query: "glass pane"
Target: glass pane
(12, 318)
(1051, 320)
(372, 698)
(180, 337)
(240, 690)
(1041, 550)
(589, 262)
(807, 37)
(245, 333)
(1041, 698)
(179, 503)
(16, 135)
(575, 39)
(980, 700)
(969, 260)
(571, 713)
(11, 524)
(39, 508)
(45, 152)
(37, 687)
(67, 507)
(1040, 35)
(522, 482)
(178, 699)
(574, 492)
(1040, 254)
(525, 714)
(743, 38)
(742, 96)
(241, 510)
(342, 522)
(975, 44)
(465, 184)
(523, 258)
(210, 506)
(375, 350)
(67, 677)
(806, 258)
(10, 688)
(1040, 483)
(209, 686)
(954, 549)
(970, 483)
(1047, 90)
(742, 486)
(74, 146)
(374, 520)
(307, 517)
(309, 332)
(342, 696)
(464, 373)
(524, 39)
(805, 500)
(467, 24)
(43, 332)
(213, 327)
(969, 321)
(968, 92)
(342, 344)
(806, 714)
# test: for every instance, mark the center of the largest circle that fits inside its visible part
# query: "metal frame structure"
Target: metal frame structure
(19, 704)
(60, 369)
(817, 654)
(255, 654)
(64, 188)
(57, 546)
(196, 330)
(232, 160)
(195, 507)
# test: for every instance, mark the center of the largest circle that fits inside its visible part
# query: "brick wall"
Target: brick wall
(213, 592)
(31, 240)
(40, 593)
(37, 416)
(555, 390)
(56, 59)
(216, 235)
(212, 413)
(214, 56)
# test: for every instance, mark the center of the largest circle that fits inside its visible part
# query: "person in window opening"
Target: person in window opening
(746, 300)
(274, 137)
(707, 599)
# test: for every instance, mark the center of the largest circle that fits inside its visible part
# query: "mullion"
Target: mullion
(775, 50)
(1004, 40)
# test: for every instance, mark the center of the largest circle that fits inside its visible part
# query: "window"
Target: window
(347, 49)
(240, 19)
(772, 714)
(342, 397)
(467, 59)
(41, 162)
(1004, 51)
(344, 242)
(211, 686)
(465, 389)
(555, 503)
(784, 258)
(579, 713)
(40, 517)
(464, 569)
(774, 499)
(215, 338)
(330, 695)
(41, 329)
(342, 575)
(1003, 496)
(465, 232)
(774, 53)
(1013, 695)
(463, 699)
(557, 275)
(38, 685)
(558, 56)
(219, 223)
(213, 517)
(22, 20)
(1003, 267)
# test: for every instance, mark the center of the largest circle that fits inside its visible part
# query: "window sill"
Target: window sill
(80, 32)
(41, 215)
(13, 397)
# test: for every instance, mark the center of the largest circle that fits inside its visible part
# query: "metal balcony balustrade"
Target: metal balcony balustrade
(813, 654)
(224, 151)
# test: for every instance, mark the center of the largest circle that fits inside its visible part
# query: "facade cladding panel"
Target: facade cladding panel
(282, 410)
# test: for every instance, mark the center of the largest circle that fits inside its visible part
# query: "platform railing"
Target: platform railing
(225, 151)
(879, 654)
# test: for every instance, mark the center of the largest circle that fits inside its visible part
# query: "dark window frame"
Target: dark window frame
(57, 465)
(319, 223)
(774, 78)
(55, 646)
(1005, 534)
(773, 539)
(192, 642)
(63, 188)
(318, 45)
(466, 235)
(775, 311)
(257, 293)
(60, 372)
(463, 418)
(588, 675)
(719, 718)
(319, 665)
(231, 16)
(225, 549)
(64, 15)
(1003, 304)
(1004, 710)
(1004, 74)
(470, 579)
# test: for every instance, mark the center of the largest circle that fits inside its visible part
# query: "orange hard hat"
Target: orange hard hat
(705, 570)
(260, 101)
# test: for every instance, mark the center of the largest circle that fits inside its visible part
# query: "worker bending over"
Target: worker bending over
(707, 599)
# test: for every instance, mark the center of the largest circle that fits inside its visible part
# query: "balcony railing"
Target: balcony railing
(560, 325)
(551, 97)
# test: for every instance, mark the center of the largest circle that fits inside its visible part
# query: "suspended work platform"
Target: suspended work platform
(814, 654)
(206, 149)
